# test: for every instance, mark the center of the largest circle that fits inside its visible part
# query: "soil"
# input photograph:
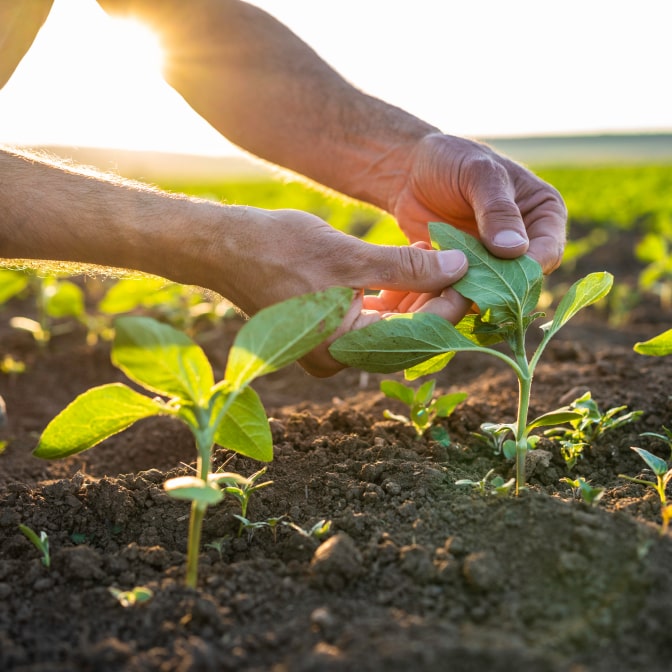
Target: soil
(417, 573)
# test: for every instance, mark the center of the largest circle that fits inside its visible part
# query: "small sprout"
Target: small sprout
(217, 545)
(663, 475)
(591, 424)
(249, 526)
(423, 407)
(493, 435)
(318, 531)
(128, 598)
(581, 488)
(240, 488)
(40, 542)
(496, 486)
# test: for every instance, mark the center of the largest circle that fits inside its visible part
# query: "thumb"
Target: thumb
(411, 268)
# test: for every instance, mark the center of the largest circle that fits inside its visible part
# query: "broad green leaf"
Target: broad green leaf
(161, 359)
(399, 342)
(130, 293)
(397, 390)
(63, 298)
(656, 464)
(429, 366)
(557, 417)
(245, 429)
(282, 333)
(659, 345)
(581, 294)
(11, 283)
(194, 489)
(92, 417)
(505, 289)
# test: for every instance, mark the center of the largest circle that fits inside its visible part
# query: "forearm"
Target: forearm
(269, 92)
(52, 212)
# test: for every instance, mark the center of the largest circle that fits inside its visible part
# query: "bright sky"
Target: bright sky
(478, 68)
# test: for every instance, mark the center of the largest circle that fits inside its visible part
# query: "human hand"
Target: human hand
(284, 253)
(470, 186)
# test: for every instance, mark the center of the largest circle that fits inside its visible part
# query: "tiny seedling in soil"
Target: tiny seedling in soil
(487, 485)
(581, 488)
(40, 542)
(128, 598)
(228, 413)
(241, 489)
(585, 430)
(663, 475)
(423, 407)
(506, 293)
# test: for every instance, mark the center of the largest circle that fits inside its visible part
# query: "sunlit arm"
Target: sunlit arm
(270, 93)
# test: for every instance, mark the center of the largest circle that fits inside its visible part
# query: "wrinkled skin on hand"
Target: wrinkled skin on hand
(468, 185)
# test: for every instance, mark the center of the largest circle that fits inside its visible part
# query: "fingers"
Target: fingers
(516, 212)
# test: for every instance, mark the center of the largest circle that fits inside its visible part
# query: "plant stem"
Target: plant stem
(524, 387)
(196, 523)
(194, 543)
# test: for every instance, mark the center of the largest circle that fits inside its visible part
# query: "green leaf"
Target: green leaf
(447, 403)
(130, 293)
(161, 359)
(280, 334)
(397, 390)
(399, 342)
(92, 417)
(656, 464)
(507, 289)
(557, 417)
(428, 367)
(424, 393)
(11, 283)
(63, 299)
(194, 489)
(581, 294)
(245, 428)
(658, 346)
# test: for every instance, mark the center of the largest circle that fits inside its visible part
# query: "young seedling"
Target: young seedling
(241, 489)
(228, 413)
(590, 426)
(581, 488)
(423, 407)
(318, 531)
(506, 292)
(128, 598)
(40, 542)
(663, 475)
(497, 485)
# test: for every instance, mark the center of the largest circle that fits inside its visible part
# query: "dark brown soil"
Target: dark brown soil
(417, 573)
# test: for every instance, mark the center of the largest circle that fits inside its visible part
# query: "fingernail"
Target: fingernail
(509, 238)
(452, 261)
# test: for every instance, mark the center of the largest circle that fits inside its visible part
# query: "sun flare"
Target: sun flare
(137, 47)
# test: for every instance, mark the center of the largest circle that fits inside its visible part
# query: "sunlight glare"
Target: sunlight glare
(139, 48)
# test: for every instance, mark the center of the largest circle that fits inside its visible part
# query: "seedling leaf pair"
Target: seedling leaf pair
(167, 363)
